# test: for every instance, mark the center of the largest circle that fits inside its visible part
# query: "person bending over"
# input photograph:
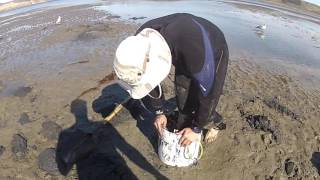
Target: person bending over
(198, 51)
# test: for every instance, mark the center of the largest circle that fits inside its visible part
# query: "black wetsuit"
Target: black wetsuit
(200, 56)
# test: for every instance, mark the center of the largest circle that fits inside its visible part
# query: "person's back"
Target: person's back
(185, 37)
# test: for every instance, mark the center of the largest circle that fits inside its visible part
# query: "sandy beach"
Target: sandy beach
(53, 76)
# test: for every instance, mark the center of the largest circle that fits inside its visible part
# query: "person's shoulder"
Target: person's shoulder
(175, 21)
(169, 18)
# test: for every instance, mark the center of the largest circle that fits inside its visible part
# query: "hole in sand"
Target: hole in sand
(262, 123)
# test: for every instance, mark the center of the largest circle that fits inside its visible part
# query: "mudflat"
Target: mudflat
(53, 76)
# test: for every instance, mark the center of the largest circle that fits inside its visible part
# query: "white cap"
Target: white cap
(142, 62)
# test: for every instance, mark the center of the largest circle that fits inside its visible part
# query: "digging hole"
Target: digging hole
(262, 123)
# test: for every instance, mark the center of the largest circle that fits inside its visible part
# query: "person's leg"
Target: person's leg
(221, 71)
(185, 103)
(216, 120)
(183, 121)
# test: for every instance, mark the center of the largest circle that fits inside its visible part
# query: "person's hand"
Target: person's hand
(187, 136)
(160, 123)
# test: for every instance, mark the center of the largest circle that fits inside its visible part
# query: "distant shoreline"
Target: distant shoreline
(18, 4)
(306, 6)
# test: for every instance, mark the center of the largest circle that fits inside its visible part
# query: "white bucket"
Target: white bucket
(171, 153)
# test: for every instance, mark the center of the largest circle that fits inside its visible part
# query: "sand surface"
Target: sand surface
(272, 120)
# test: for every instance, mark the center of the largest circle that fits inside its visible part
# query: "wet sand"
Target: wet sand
(272, 119)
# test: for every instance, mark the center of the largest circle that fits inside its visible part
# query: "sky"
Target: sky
(311, 1)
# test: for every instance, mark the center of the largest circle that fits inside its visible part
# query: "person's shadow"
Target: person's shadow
(113, 95)
(315, 160)
(93, 146)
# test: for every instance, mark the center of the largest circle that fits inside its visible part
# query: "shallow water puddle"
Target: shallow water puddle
(17, 89)
(288, 36)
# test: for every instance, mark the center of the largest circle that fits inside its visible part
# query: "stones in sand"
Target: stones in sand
(290, 167)
(50, 130)
(24, 119)
(2, 149)
(19, 146)
(47, 161)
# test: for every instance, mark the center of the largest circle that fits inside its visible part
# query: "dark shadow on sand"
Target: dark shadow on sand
(96, 146)
(114, 94)
(315, 160)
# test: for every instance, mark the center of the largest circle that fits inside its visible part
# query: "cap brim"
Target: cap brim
(156, 72)
(136, 92)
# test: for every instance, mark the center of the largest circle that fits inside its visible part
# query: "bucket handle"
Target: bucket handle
(200, 154)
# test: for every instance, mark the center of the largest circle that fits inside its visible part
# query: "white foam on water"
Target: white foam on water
(5, 1)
